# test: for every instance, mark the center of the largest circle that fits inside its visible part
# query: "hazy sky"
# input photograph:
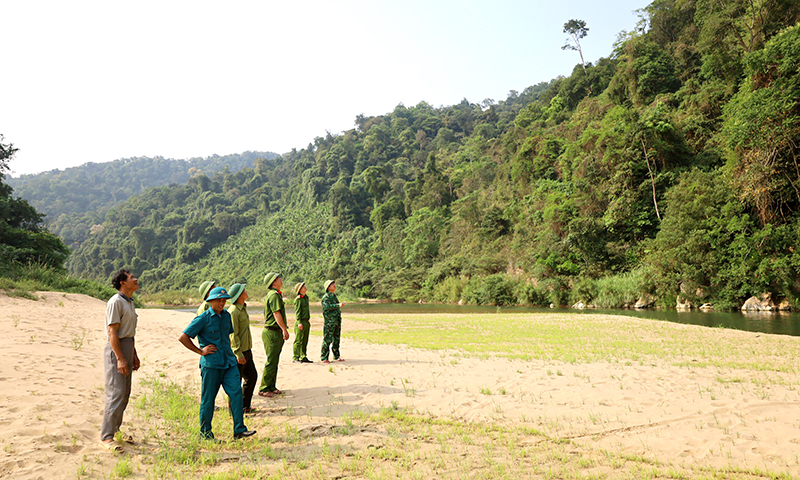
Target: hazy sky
(97, 81)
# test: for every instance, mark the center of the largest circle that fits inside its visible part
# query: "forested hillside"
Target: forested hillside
(669, 168)
(75, 199)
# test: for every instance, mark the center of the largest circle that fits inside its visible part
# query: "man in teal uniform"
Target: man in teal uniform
(302, 325)
(217, 363)
(332, 329)
(274, 334)
(242, 342)
(205, 287)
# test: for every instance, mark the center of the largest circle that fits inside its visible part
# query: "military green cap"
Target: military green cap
(328, 284)
(235, 291)
(298, 287)
(218, 293)
(270, 278)
(206, 287)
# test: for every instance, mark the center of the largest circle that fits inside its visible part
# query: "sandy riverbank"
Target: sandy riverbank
(52, 393)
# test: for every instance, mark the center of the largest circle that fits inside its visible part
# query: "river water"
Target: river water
(784, 323)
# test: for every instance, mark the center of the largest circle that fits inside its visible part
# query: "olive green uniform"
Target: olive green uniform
(303, 315)
(272, 338)
(203, 307)
(242, 344)
(332, 330)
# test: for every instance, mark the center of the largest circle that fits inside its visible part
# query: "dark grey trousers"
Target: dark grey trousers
(118, 388)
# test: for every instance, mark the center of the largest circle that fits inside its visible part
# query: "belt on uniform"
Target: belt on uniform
(274, 328)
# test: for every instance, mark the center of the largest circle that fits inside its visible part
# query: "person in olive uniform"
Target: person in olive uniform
(332, 329)
(302, 325)
(274, 334)
(205, 287)
(242, 343)
(217, 363)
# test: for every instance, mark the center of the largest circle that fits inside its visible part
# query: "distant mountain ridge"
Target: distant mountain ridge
(76, 198)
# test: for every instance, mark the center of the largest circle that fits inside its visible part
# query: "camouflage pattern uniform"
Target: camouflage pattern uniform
(332, 329)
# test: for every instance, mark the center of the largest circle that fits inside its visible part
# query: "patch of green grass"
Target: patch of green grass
(579, 338)
(122, 469)
(397, 442)
(17, 280)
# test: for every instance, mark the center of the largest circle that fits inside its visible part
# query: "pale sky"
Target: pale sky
(94, 81)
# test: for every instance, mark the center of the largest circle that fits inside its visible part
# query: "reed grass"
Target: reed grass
(17, 280)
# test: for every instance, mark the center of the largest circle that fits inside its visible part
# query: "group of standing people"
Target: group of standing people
(224, 344)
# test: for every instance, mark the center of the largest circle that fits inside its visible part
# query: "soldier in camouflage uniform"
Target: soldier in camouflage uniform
(332, 330)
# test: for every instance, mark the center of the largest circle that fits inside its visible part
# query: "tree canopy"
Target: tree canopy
(22, 236)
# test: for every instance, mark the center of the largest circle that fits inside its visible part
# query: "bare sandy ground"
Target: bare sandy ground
(51, 393)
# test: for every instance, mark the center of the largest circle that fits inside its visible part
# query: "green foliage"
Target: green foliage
(645, 71)
(495, 289)
(668, 168)
(622, 290)
(23, 237)
(762, 126)
(531, 295)
(710, 247)
(75, 199)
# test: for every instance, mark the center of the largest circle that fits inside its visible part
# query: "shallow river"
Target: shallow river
(764, 322)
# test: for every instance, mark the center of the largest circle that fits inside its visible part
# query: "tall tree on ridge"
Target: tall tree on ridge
(576, 30)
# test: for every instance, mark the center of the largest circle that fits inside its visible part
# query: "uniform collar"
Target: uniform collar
(125, 296)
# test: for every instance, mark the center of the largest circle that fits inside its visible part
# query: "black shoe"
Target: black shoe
(208, 436)
(305, 360)
(247, 433)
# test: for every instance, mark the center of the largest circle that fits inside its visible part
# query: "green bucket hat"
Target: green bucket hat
(270, 278)
(328, 284)
(298, 287)
(236, 290)
(206, 287)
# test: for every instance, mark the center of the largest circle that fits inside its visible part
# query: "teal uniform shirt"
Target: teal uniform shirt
(213, 328)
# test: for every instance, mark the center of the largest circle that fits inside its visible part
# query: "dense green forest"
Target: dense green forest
(669, 168)
(32, 257)
(74, 199)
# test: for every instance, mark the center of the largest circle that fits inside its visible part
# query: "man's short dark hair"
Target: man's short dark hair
(120, 277)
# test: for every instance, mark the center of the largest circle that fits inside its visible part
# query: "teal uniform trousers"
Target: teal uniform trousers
(230, 381)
